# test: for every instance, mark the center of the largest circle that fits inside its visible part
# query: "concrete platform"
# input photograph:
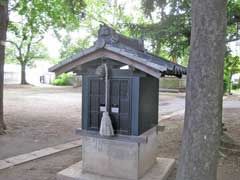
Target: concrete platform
(122, 159)
(160, 171)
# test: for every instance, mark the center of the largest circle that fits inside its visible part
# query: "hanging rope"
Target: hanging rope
(106, 128)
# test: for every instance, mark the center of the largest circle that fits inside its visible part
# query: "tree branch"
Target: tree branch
(28, 49)
(37, 41)
(19, 57)
(15, 44)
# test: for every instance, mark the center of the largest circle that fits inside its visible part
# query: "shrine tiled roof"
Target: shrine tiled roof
(133, 49)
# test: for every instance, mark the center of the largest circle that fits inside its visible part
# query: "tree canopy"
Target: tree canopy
(30, 20)
(69, 48)
(165, 25)
(113, 13)
(170, 25)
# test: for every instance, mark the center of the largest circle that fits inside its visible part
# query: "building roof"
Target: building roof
(120, 48)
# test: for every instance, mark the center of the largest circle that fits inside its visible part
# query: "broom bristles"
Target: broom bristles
(106, 128)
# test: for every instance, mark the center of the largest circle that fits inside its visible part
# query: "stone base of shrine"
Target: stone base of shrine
(160, 171)
(126, 157)
(120, 157)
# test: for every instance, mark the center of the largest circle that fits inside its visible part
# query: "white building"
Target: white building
(12, 73)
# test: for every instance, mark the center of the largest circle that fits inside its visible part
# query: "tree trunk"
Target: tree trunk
(3, 36)
(23, 74)
(203, 116)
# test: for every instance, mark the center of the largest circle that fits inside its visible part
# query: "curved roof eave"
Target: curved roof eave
(73, 58)
(155, 63)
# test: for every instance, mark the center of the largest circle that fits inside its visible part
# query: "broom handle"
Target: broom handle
(106, 87)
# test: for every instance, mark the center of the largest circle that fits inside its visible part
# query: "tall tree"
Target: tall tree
(25, 53)
(25, 46)
(3, 36)
(202, 126)
(34, 18)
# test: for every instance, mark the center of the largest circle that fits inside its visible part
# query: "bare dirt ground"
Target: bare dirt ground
(229, 163)
(42, 169)
(39, 117)
(43, 117)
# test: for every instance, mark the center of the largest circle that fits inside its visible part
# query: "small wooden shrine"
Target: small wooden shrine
(133, 89)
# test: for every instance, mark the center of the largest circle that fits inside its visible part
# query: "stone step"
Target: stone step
(23, 158)
(160, 171)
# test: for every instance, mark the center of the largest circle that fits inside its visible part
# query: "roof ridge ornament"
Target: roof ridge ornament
(110, 36)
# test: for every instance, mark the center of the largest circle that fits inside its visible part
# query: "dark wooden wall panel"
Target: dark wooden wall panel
(148, 112)
(135, 96)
